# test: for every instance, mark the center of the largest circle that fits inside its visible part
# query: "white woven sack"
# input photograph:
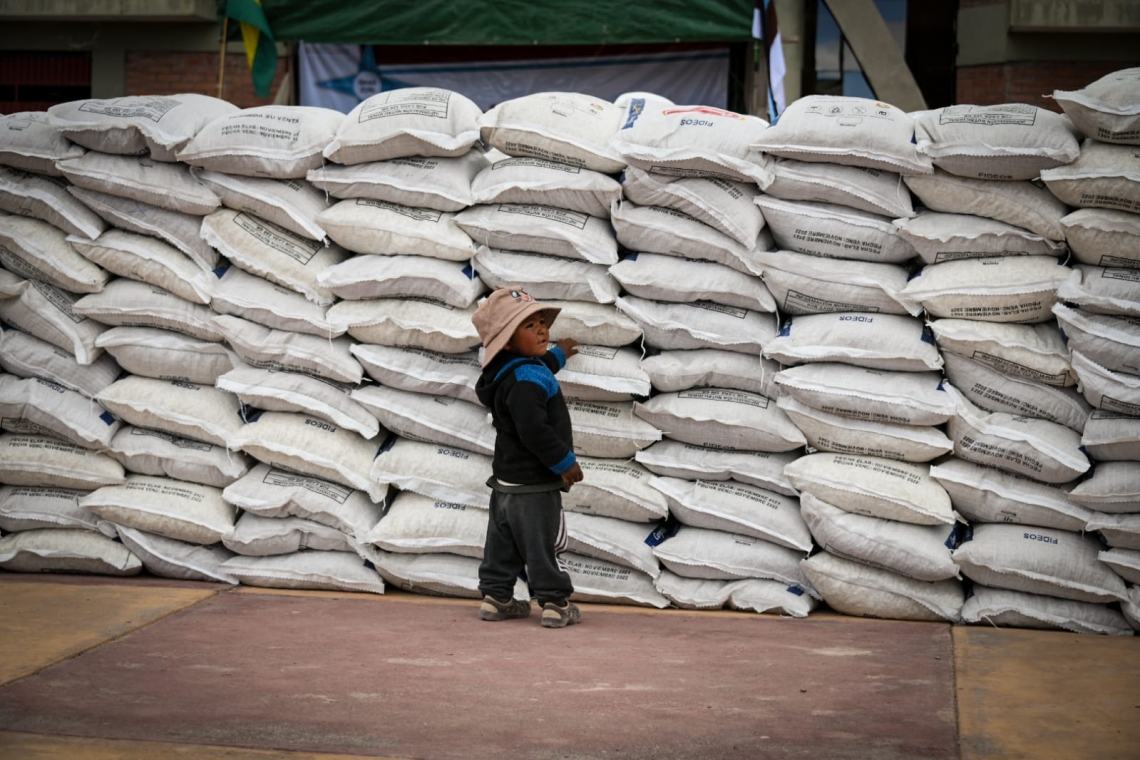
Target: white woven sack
(653, 100)
(1103, 290)
(291, 204)
(609, 429)
(134, 125)
(147, 259)
(311, 447)
(183, 409)
(593, 323)
(1017, 609)
(757, 595)
(1019, 289)
(31, 507)
(40, 460)
(368, 226)
(702, 324)
(618, 541)
(183, 231)
(541, 229)
(1124, 562)
(809, 284)
(719, 555)
(921, 552)
(66, 550)
(46, 198)
(173, 508)
(25, 355)
(723, 418)
(422, 371)
(685, 460)
(699, 367)
(412, 121)
(826, 229)
(692, 141)
(618, 489)
(266, 348)
(165, 185)
(1111, 436)
(659, 277)
(994, 391)
(602, 373)
(434, 574)
(415, 524)
(38, 251)
(438, 472)
(736, 508)
(876, 191)
(439, 183)
(853, 588)
(874, 341)
(986, 495)
(1035, 352)
(1022, 204)
(946, 237)
(1107, 109)
(45, 312)
(1111, 342)
(266, 250)
(167, 355)
(444, 420)
(368, 276)
(413, 323)
(723, 204)
(29, 142)
(238, 293)
(874, 487)
(899, 398)
(545, 276)
(546, 183)
(130, 303)
(1012, 141)
(273, 492)
(656, 229)
(257, 536)
(1037, 449)
(1104, 389)
(282, 142)
(1113, 488)
(1105, 176)
(599, 581)
(693, 593)
(154, 452)
(845, 130)
(1038, 561)
(39, 406)
(566, 127)
(314, 570)
(293, 392)
(168, 558)
(1104, 237)
(1118, 531)
(830, 432)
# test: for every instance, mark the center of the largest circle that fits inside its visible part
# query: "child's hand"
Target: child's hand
(569, 347)
(571, 476)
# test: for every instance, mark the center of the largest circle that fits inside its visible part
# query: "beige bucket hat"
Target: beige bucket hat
(501, 313)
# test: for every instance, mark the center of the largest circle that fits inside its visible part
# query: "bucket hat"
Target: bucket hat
(501, 313)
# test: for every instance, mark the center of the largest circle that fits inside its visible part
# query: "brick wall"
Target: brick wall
(171, 72)
(1028, 81)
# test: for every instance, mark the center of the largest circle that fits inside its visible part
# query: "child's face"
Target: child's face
(532, 337)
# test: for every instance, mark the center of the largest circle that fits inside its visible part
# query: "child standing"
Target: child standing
(534, 458)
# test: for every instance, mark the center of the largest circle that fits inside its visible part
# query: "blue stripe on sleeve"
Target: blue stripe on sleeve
(540, 376)
(559, 354)
(567, 462)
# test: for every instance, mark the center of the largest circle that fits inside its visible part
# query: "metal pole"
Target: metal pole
(222, 56)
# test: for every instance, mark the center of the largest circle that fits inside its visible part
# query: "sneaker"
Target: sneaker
(493, 609)
(554, 616)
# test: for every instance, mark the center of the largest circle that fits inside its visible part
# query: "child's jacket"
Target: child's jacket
(534, 444)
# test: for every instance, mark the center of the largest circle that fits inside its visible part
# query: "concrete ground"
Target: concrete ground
(147, 668)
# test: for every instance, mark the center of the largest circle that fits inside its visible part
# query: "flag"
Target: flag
(764, 27)
(260, 47)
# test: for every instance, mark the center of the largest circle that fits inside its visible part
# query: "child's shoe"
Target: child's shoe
(554, 616)
(493, 609)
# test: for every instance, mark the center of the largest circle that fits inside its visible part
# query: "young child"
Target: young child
(534, 458)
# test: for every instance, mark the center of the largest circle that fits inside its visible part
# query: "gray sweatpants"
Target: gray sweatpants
(525, 530)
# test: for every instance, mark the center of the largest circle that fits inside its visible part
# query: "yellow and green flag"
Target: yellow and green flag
(260, 47)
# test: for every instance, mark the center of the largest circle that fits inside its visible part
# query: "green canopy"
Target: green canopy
(509, 22)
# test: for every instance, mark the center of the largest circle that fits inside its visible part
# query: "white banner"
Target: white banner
(340, 76)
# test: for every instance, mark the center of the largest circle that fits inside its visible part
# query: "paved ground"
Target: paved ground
(145, 668)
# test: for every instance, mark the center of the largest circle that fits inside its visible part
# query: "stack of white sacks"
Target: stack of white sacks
(239, 343)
